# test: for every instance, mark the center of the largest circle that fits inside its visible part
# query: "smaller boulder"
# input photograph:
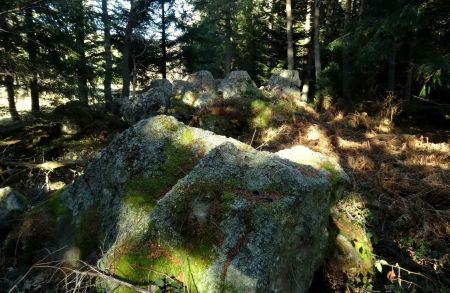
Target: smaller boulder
(11, 204)
(153, 102)
(76, 113)
(235, 84)
(198, 100)
(180, 86)
(197, 89)
(164, 85)
(285, 79)
(286, 85)
(202, 81)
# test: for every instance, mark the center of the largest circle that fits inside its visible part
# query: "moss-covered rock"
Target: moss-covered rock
(137, 169)
(12, 203)
(174, 205)
(235, 84)
(351, 251)
(252, 211)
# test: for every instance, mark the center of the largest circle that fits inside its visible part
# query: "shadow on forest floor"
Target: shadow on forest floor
(402, 181)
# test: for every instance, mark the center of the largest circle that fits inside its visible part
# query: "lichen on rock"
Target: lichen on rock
(166, 199)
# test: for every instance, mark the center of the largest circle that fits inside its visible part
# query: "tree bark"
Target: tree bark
(163, 40)
(9, 83)
(361, 9)
(391, 69)
(108, 57)
(126, 76)
(290, 43)
(345, 54)
(9, 78)
(409, 76)
(317, 60)
(81, 52)
(228, 32)
(309, 55)
(32, 58)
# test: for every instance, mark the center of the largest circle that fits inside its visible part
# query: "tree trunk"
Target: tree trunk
(361, 9)
(126, 76)
(108, 56)
(409, 76)
(345, 54)
(317, 61)
(32, 58)
(134, 73)
(163, 40)
(9, 83)
(290, 43)
(228, 32)
(81, 51)
(391, 70)
(309, 55)
(9, 79)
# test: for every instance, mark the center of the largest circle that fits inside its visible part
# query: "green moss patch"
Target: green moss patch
(353, 249)
(143, 192)
(55, 206)
(163, 265)
(88, 232)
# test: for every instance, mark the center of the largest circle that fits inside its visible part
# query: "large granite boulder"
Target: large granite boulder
(212, 213)
(156, 152)
(12, 203)
(235, 84)
(260, 221)
(154, 101)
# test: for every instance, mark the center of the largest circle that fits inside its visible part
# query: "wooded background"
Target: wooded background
(351, 50)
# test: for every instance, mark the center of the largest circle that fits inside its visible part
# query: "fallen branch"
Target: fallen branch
(48, 166)
(90, 271)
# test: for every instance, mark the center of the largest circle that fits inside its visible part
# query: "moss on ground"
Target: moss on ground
(261, 114)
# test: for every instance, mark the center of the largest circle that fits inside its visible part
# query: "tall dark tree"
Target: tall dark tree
(290, 42)
(345, 53)
(107, 56)
(8, 64)
(317, 57)
(163, 39)
(128, 38)
(80, 48)
(32, 58)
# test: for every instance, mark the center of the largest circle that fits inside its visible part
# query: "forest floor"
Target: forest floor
(400, 183)
(400, 192)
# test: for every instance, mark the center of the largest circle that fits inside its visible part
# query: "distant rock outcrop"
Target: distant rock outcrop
(154, 101)
(286, 84)
(285, 78)
(235, 84)
(197, 89)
